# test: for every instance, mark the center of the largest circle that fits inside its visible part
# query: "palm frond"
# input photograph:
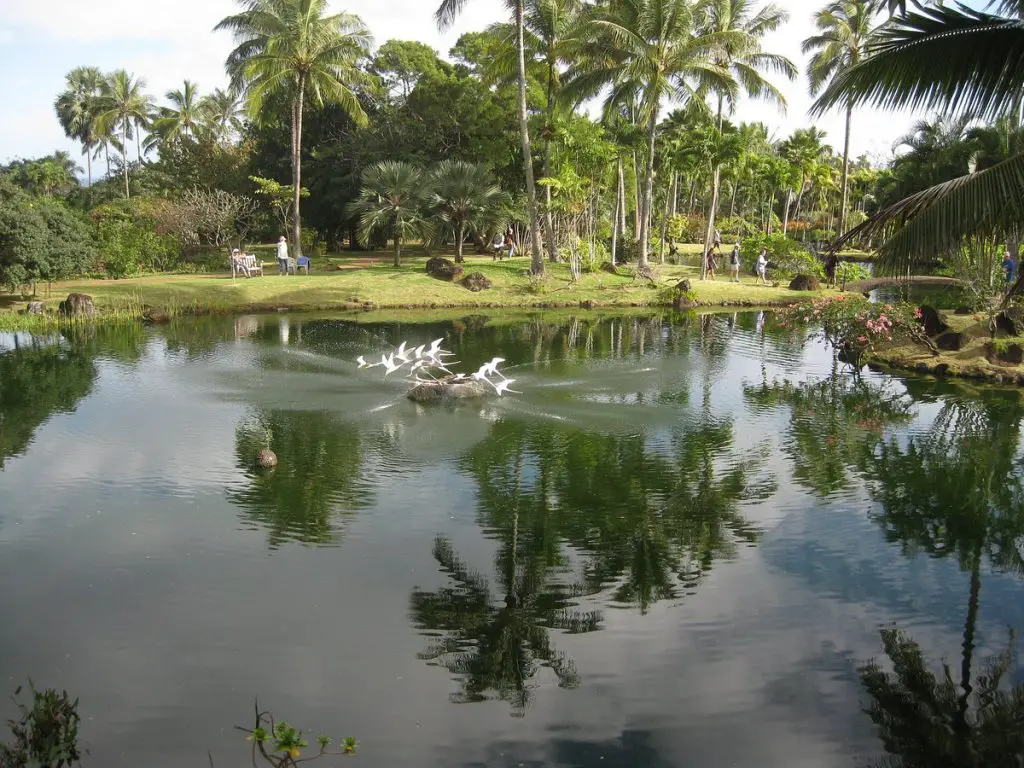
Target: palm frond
(957, 60)
(929, 223)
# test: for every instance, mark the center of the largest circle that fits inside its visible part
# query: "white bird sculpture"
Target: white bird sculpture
(362, 362)
(502, 386)
(401, 354)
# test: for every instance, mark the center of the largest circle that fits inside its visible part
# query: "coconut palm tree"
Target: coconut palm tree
(76, 109)
(549, 38)
(393, 200)
(804, 150)
(446, 13)
(222, 113)
(467, 200)
(845, 30)
(293, 48)
(185, 115)
(747, 63)
(959, 61)
(123, 106)
(652, 50)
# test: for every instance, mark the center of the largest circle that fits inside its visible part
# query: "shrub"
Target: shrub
(137, 234)
(855, 326)
(46, 734)
(786, 258)
(686, 228)
(734, 228)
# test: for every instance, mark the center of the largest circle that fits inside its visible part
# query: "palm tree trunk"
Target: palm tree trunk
(664, 225)
(674, 193)
(124, 156)
(648, 203)
(397, 254)
(138, 143)
(297, 170)
(846, 171)
(961, 727)
(549, 219)
(785, 213)
(458, 243)
(709, 232)
(615, 215)
(638, 208)
(622, 195)
(536, 251)
(88, 164)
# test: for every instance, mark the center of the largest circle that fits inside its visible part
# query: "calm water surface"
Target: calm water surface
(683, 544)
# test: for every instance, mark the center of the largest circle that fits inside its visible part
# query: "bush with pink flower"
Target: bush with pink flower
(856, 326)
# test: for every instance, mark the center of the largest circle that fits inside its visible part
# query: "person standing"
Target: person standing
(718, 241)
(282, 255)
(1010, 267)
(761, 267)
(710, 262)
(734, 263)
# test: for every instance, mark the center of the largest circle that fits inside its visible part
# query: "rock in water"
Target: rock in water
(447, 389)
(77, 304)
(475, 281)
(443, 269)
(805, 283)
(266, 459)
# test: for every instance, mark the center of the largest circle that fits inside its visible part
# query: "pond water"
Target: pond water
(681, 545)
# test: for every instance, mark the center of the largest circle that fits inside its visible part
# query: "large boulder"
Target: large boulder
(447, 389)
(77, 305)
(805, 283)
(646, 272)
(932, 321)
(952, 341)
(35, 308)
(443, 269)
(608, 267)
(1004, 354)
(475, 281)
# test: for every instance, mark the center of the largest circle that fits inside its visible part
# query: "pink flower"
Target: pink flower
(862, 339)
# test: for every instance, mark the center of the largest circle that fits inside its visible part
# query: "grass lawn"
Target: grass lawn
(367, 281)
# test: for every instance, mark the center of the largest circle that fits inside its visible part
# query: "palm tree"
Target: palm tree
(652, 50)
(393, 200)
(959, 61)
(221, 112)
(445, 16)
(804, 150)
(467, 200)
(76, 109)
(747, 62)
(845, 31)
(293, 47)
(549, 39)
(184, 117)
(123, 105)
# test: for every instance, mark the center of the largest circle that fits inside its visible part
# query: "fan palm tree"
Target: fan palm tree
(652, 50)
(393, 200)
(445, 16)
(76, 109)
(958, 61)
(292, 47)
(222, 113)
(185, 115)
(467, 200)
(845, 30)
(747, 63)
(123, 106)
(549, 39)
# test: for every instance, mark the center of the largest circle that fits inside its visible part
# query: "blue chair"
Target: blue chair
(300, 263)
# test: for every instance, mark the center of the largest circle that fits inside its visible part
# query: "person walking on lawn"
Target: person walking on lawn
(282, 255)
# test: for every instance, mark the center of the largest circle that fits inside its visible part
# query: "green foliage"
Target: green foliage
(136, 235)
(45, 735)
(280, 745)
(686, 228)
(40, 239)
(280, 198)
(848, 272)
(393, 202)
(786, 257)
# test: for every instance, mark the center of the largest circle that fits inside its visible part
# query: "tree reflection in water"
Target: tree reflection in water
(955, 491)
(317, 482)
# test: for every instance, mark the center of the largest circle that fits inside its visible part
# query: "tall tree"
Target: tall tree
(182, 118)
(652, 50)
(222, 112)
(294, 48)
(76, 108)
(804, 150)
(959, 61)
(745, 60)
(845, 30)
(124, 105)
(445, 16)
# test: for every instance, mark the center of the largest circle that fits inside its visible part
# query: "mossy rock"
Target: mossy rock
(1005, 353)
(475, 281)
(932, 321)
(805, 283)
(445, 390)
(443, 269)
(952, 341)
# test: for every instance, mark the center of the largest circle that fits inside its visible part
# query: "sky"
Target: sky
(165, 43)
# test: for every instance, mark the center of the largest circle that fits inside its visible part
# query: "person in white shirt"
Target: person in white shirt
(761, 267)
(282, 255)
